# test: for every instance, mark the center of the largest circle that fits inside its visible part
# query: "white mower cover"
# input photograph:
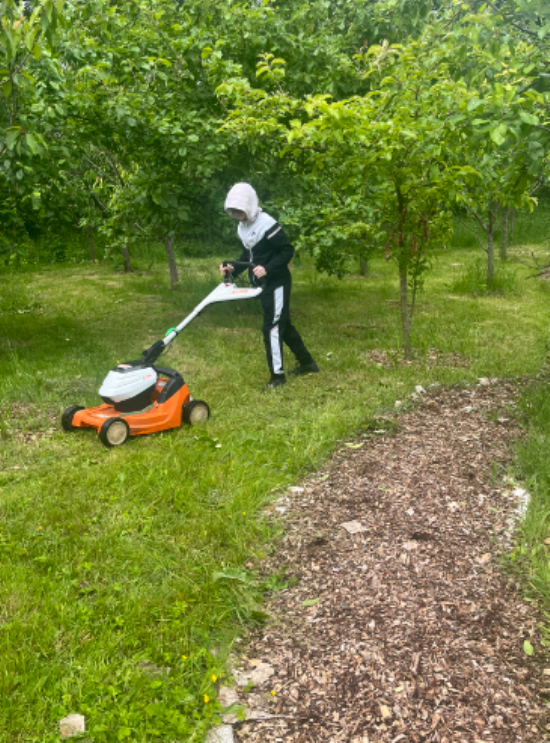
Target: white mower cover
(126, 382)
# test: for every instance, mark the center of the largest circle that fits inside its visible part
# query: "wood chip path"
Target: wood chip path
(407, 630)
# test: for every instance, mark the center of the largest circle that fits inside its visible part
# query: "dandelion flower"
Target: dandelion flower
(184, 657)
(214, 677)
(206, 698)
(273, 693)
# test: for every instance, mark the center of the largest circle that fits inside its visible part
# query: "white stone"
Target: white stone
(296, 489)
(228, 696)
(72, 725)
(419, 389)
(259, 675)
(223, 734)
(353, 527)
(484, 382)
(410, 512)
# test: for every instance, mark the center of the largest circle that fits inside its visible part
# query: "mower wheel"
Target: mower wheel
(114, 432)
(67, 417)
(195, 411)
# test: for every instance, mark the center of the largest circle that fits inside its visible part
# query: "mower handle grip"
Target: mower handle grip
(247, 264)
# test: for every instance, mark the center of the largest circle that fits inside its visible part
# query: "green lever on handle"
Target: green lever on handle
(170, 330)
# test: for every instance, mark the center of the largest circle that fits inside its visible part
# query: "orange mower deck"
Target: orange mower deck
(170, 406)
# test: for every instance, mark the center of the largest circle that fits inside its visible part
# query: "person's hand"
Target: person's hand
(226, 269)
(259, 272)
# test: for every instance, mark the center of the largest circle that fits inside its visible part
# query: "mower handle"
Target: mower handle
(242, 263)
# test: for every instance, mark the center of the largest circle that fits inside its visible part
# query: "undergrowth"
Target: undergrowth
(473, 280)
(532, 552)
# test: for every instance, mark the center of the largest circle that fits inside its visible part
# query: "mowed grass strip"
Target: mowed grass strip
(126, 574)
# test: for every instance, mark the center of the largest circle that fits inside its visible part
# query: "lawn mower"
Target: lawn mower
(141, 396)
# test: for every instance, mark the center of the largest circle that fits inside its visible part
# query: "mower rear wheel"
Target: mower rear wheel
(67, 417)
(114, 432)
(195, 411)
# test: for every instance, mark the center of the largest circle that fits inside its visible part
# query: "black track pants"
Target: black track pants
(277, 328)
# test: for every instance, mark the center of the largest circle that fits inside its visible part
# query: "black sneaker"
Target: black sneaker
(277, 380)
(310, 368)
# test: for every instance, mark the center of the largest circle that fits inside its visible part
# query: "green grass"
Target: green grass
(474, 281)
(125, 575)
(531, 554)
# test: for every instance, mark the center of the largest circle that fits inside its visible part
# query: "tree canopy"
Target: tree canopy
(363, 124)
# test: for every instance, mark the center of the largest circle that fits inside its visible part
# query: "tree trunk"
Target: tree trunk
(504, 235)
(512, 223)
(127, 262)
(405, 319)
(363, 265)
(491, 247)
(90, 243)
(169, 247)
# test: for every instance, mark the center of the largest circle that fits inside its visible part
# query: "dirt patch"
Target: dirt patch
(26, 422)
(406, 629)
(433, 358)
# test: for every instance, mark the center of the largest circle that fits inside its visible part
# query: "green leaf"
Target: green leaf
(498, 135)
(355, 446)
(234, 574)
(59, 6)
(36, 52)
(310, 602)
(30, 139)
(12, 136)
(6, 88)
(528, 648)
(529, 118)
(29, 39)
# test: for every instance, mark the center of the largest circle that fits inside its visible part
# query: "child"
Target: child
(266, 245)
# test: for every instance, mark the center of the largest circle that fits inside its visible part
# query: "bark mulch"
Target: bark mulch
(406, 630)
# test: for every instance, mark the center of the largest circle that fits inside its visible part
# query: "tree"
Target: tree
(387, 157)
(24, 38)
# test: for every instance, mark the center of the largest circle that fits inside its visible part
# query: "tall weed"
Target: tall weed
(474, 281)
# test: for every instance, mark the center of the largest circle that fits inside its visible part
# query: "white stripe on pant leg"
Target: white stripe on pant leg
(279, 297)
(276, 359)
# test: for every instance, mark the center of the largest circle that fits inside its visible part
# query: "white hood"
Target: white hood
(242, 196)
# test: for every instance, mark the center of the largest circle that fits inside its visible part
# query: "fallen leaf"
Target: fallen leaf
(385, 712)
(528, 648)
(310, 602)
(484, 559)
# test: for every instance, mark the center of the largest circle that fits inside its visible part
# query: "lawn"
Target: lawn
(126, 575)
